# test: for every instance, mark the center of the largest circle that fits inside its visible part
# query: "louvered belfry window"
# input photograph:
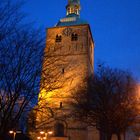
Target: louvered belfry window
(74, 37)
(58, 38)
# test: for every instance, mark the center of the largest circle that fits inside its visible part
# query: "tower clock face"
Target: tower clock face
(67, 31)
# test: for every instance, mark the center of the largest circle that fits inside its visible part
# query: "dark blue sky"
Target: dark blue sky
(115, 26)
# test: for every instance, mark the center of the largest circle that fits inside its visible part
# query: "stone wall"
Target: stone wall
(66, 66)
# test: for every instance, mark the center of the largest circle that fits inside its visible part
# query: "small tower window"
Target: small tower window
(63, 70)
(76, 11)
(72, 10)
(58, 38)
(74, 37)
(61, 105)
(68, 11)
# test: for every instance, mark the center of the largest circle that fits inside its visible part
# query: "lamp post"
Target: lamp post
(41, 138)
(43, 135)
(48, 134)
(14, 134)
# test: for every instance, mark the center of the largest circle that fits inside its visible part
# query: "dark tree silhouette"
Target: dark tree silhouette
(10, 17)
(21, 56)
(21, 51)
(108, 102)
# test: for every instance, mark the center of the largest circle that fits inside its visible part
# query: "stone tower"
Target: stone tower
(69, 59)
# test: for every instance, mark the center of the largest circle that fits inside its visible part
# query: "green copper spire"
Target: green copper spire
(74, 1)
(73, 7)
(73, 14)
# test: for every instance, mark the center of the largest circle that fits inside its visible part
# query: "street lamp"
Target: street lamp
(44, 136)
(50, 132)
(14, 133)
(41, 138)
(42, 132)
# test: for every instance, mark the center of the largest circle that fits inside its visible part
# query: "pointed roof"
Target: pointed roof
(74, 1)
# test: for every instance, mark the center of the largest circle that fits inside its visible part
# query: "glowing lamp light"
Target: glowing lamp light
(11, 132)
(50, 132)
(42, 132)
(44, 135)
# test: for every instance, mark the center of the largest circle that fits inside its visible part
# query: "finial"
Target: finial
(74, 1)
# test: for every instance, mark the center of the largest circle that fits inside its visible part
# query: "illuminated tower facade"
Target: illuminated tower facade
(68, 61)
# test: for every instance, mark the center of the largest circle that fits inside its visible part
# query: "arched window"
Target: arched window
(68, 11)
(76, 11)
(74, 37)
(58, 38)
(72, 10)
(59, 130)
(61, 104)
(63, 70)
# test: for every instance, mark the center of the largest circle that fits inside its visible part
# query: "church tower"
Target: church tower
(68, 61)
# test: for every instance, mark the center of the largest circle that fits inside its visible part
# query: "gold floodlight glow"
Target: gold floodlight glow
(50, 132)
(42, 132)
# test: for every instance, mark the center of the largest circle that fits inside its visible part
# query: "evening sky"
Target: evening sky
(115, 25)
